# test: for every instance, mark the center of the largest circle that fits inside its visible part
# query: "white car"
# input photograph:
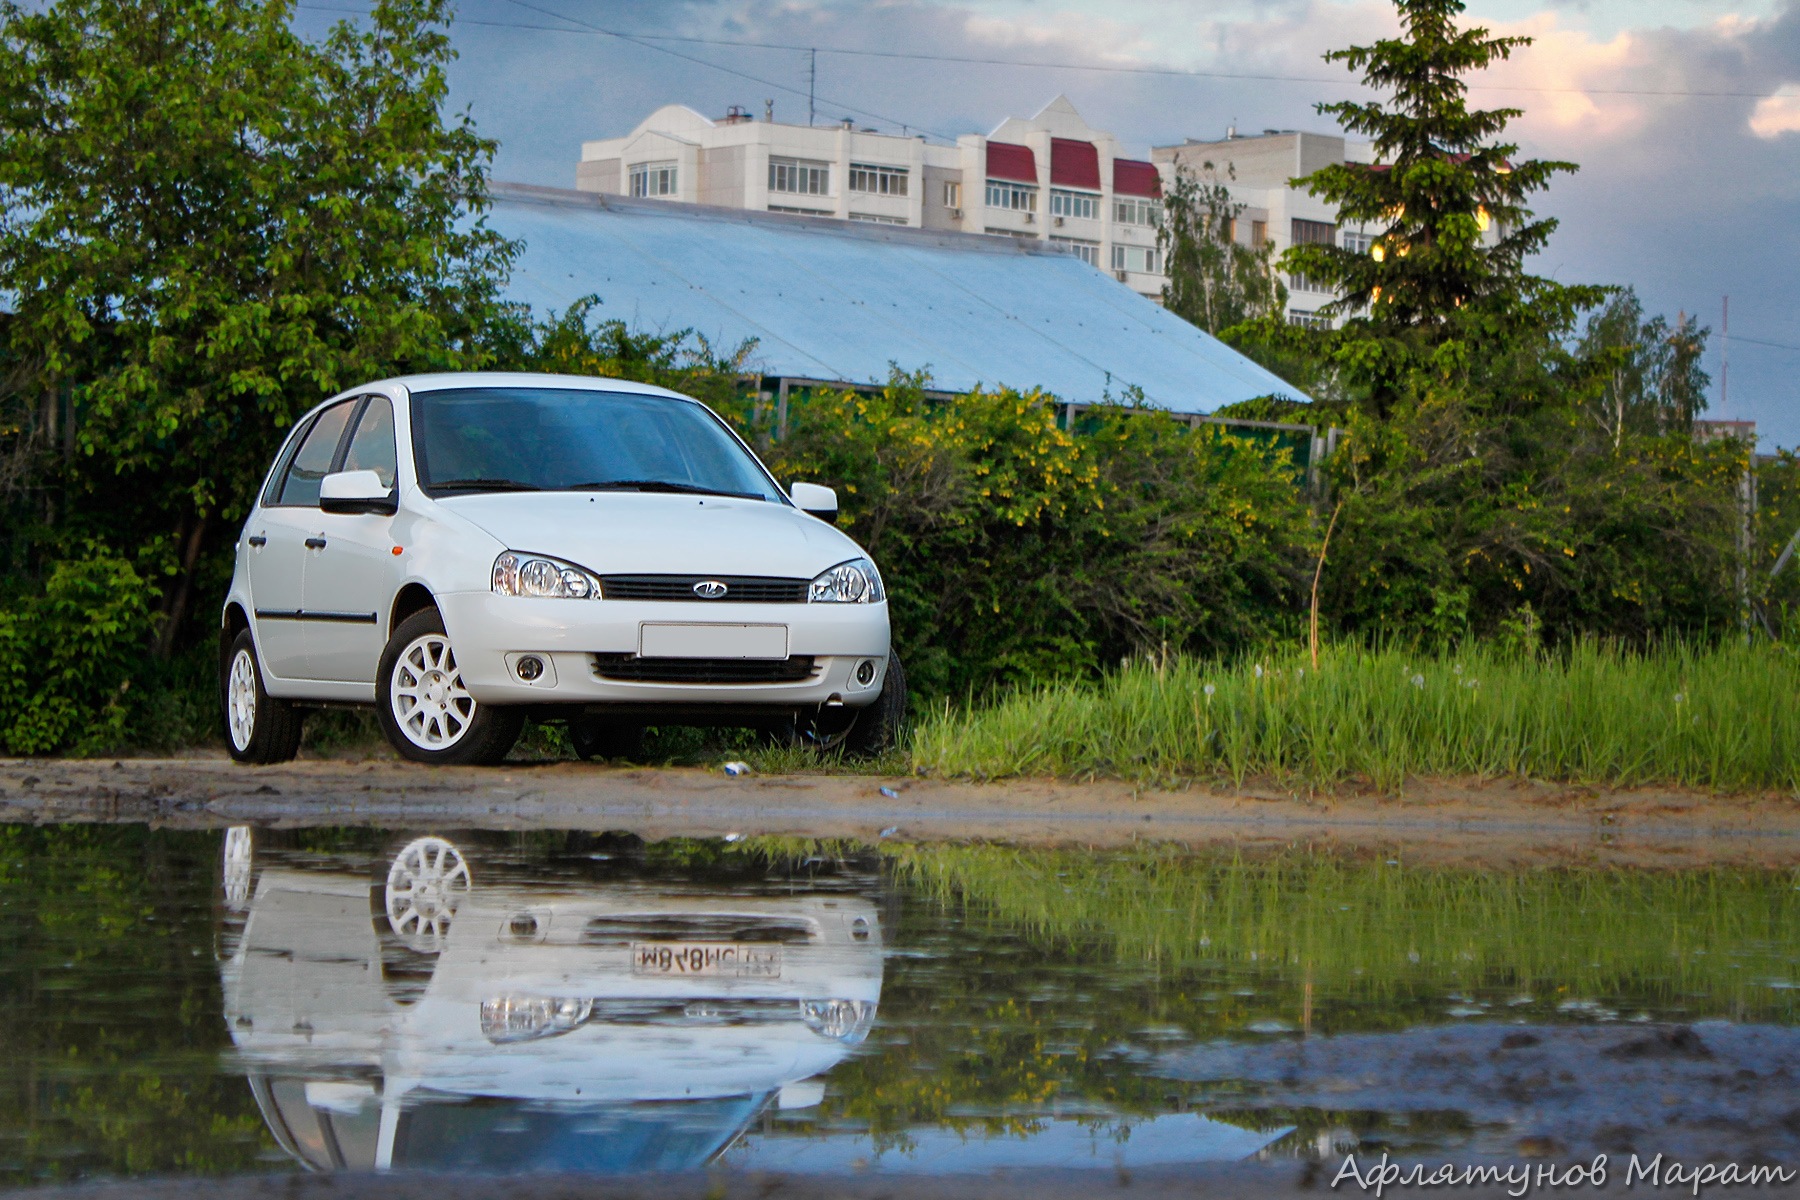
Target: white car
(464, 550)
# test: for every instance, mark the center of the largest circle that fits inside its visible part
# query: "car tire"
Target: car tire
(596, 737)
(426, 713)
(877, 727)
(258, 727)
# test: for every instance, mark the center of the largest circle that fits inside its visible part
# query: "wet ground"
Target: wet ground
(867, 1016)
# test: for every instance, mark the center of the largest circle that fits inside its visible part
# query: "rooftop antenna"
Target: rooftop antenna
(769, 110)
(812, 80)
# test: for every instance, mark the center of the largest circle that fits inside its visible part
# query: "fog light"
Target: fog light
(530, 667)
(865, 672)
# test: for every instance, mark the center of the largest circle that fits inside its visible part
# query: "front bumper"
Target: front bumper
(492, 632)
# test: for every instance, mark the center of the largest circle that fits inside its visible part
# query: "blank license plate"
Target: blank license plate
(706, 959)
(713, 641)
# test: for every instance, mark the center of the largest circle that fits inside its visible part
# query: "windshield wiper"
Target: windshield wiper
(483, 485)
(659, 485)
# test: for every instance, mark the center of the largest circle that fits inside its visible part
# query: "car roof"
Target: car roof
(480, 379)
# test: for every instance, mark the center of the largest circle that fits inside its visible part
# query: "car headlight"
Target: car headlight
(854, 582)
(841, 1020)
(534, 575)
(522, 1018)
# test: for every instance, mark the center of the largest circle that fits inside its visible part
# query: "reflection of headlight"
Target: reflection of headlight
(521, 1018)
(534, 575)
(843, 1020)
(854, 582)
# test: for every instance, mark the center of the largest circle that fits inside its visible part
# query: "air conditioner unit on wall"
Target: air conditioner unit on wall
(1059, 220)
(956, 214)
(1030, 217)
(1121, 274)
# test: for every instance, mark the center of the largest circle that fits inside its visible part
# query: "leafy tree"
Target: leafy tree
(1441, 180)
(208, 223)
(1215, 281)
(1651, 380)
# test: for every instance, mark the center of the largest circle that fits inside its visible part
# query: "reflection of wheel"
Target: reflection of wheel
(424, 709)
(239, 861)
(258, 727)
(427, 881)
(596, 737)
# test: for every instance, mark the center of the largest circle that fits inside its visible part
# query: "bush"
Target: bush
(67, 657)
(1016, 551)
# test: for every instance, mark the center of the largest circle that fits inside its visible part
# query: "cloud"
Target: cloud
(1777, 114)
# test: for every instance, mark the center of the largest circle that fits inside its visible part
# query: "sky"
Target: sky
(1684, 115)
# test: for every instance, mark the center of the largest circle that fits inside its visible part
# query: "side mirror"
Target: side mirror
(814, 500)
(357, 492)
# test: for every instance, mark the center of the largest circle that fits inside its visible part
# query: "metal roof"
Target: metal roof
(842, 300)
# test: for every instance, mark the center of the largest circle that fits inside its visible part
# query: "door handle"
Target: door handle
(315, 543)
(257, 540)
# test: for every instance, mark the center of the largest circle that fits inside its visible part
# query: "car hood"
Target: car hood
(630, 533)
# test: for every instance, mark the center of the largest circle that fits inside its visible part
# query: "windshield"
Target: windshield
(565, 439)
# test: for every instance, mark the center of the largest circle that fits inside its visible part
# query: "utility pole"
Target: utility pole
(812, 82)
(1725, 357)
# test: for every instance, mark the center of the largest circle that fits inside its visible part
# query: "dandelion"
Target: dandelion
(1208, 689)
(1418, 681)
(1299, 672)
(1680, 697)
(1259, 670)
(1457, 669)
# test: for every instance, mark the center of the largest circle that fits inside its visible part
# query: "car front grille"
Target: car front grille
(631, 668)
(740, 589)
(623, 929)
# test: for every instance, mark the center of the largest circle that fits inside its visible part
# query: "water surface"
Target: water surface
(253, 1000)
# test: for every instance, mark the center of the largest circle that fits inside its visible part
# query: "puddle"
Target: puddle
(252, 1000)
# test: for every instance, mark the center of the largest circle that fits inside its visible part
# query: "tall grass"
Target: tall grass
(1717, 941)
(1725, 717)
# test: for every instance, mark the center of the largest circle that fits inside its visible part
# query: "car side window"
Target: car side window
(372, 445)
(313, 461)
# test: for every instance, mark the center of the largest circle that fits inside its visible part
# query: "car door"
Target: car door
(277, 545)
(351, 579)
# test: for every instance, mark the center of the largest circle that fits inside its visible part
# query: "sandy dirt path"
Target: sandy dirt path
(1452, 822)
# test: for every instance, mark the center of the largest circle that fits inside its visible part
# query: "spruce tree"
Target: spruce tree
(1443, 175)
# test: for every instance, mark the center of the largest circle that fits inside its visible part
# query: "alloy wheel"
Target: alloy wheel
(431, 706)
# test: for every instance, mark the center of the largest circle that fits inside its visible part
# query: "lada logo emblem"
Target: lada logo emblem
(710, 589)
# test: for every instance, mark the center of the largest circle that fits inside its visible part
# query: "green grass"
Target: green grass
(1378, 938)
(1725, 718)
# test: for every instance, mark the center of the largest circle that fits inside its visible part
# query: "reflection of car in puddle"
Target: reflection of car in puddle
(433, 1018)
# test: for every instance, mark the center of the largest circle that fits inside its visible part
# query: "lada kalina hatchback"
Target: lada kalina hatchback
(464, 550)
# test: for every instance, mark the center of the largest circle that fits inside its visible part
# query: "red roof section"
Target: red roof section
(1074, 164)
(1134, 178)
(1008, 160)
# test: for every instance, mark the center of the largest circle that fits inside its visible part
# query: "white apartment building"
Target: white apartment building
(1051, 178)
(1256, 171)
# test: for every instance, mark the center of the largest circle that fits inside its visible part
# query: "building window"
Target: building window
(1259, 234)
(799, 176)
(1357, 242)
(801, 212)
(1311, 233)
(1018, 197)
(1024, 234)
(877, 180)
(1087, 252)
(1307, 320)
(952, 194)
(1074, 204)
(1136, 210)
(877, 219)
(653, 179)
(1146, 260)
